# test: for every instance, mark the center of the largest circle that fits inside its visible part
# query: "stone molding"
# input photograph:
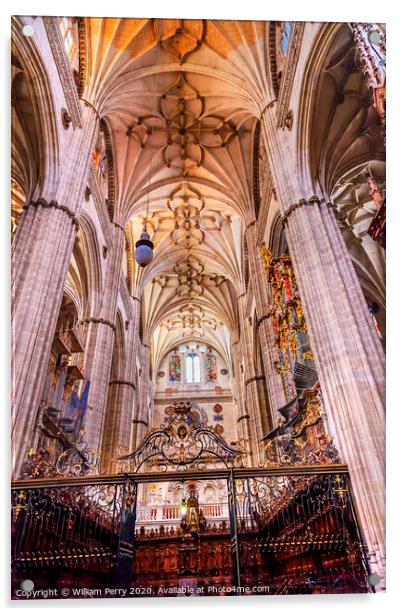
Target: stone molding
(314, 200)
(122, 382)
(339, 214)
(53, 204)
(82, 56)
(100, 321)
(213, 396)
(250, 224)
(285, 88)
(263, 318)
(243, 417)
(266, 197)
(256, 169)
(140, 421)
(64, 69)
(260, 377)
(100, 206)
(118, 226)
(125, 296)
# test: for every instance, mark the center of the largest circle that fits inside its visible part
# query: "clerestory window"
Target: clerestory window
(193, 371)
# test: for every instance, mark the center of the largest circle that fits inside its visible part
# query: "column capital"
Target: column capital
(122, 382)
(119, 226)
(314, 200)
(263, 318)
(250, 224)
(259, 377)
(43, 203)
(99, 320)
(243, 417)
(339, 215)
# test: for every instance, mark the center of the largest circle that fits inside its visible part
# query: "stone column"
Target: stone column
(263, 301)
(99, 344)
(141, 419)
(253, 410)
(120, 403)
(348, 353)
(41, 253)
(238, 393)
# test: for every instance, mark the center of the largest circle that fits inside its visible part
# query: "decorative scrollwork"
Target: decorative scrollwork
(181, 446)
(76, 459)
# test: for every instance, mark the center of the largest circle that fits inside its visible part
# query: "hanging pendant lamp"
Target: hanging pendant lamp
(144, 249)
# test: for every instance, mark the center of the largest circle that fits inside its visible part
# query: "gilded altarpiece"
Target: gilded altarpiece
(300, 436)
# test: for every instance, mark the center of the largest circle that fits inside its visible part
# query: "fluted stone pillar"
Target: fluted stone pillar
(263, 301)
(99, 345)
(348, 353)
(253, 410)
(41, 253)
(241, 416)
(121, 399)
(141, 419)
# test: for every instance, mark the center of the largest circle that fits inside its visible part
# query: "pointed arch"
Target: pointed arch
(43, 110)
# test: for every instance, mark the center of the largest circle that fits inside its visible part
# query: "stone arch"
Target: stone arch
(277, 238)
(119, 349)
(339, 142)
(87, 245)
(40, 114)
(79, 281)
(113, 431)
(338, 126)
(111, 198)
(69, 308)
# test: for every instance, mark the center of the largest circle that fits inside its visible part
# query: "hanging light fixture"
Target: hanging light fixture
(144, 247)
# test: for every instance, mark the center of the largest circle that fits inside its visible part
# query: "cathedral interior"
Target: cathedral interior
(198, 305)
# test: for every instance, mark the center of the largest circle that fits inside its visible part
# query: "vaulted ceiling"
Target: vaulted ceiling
(181, 99)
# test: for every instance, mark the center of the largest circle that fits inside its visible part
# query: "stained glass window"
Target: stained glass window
(285, 36)
(68, 29)
(193, 372)
(100, 159)
(174, 368)
(210, 367)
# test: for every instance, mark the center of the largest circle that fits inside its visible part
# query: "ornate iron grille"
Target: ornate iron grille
(291, 530)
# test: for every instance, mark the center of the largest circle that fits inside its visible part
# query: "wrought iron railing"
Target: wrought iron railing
(289, 529)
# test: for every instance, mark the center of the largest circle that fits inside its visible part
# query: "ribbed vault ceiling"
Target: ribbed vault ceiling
(181, 99)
